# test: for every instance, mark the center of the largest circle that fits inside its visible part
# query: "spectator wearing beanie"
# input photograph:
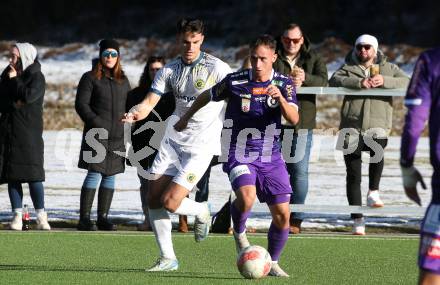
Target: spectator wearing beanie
(100, 102)
(366, 121)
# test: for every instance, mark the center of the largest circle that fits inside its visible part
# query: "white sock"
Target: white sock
(161, 223)
(190, 207)
(39, 211)
(18, 210)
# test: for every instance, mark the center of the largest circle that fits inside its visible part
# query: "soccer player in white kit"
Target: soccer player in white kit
(183, 157)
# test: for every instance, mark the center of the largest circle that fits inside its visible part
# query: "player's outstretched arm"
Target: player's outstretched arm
(290, 112)
(141, 110)
(198, 104)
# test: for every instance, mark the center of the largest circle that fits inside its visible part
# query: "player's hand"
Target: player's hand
(181, 124)
(297, 82)
(365, 83)
(301, 75)
(132, 115)
(12, 72)
(376, 81)
(274, 92)
(411, 176)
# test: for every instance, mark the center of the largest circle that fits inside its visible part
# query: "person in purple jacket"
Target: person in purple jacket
(257, 98)
(422, 101)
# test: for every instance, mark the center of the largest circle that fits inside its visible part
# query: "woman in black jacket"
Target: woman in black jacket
(100, 102)
(22, 87)
(142, 144)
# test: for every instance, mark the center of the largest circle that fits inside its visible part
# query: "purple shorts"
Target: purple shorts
(429, 249)
(270, 178)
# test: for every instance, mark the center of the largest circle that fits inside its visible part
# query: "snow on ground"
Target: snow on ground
(327, 184)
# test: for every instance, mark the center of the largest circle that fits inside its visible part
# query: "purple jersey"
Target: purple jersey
(250, 107)
(422, 100)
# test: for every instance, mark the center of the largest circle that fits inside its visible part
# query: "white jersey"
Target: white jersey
(187, 81)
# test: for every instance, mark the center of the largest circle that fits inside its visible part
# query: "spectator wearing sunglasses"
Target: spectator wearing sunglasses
(143, 144)
(100, 102)
(366, 121)
(297, 59)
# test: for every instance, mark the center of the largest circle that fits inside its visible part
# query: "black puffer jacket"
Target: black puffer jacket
(101, 104)
(21, 126)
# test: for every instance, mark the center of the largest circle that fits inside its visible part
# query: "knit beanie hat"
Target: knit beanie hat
(106, 44)
(367, 40)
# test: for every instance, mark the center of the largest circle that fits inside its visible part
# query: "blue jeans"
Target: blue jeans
(299, 168)
(36, 190)
(92, 180)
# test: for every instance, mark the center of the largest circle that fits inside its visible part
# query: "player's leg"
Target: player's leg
(240, 211)
(428, 278)
(193, 165)
(161, 225)
(278, 234)
(429, 249)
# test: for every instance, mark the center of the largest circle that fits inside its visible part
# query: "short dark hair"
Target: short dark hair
(264, 40)
(191, 25)
(292, 26)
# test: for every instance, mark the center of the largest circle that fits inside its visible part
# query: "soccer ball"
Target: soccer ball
(254, 262)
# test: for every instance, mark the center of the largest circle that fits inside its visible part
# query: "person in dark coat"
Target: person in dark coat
(143, 143)
(100, 102)
(22, 87)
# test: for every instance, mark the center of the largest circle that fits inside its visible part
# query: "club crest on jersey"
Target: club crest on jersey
(272, 103)
(245, 104)
(191, 177)
(199, 84)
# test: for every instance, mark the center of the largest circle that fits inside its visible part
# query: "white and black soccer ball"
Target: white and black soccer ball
(254, 262)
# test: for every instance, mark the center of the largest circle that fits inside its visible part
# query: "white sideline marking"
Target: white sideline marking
(331, 236)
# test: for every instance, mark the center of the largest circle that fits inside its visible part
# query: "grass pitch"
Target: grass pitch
(120, 258)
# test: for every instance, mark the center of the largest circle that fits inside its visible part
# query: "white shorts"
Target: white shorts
(186, 166)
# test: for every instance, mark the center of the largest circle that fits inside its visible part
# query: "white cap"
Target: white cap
(367, 40)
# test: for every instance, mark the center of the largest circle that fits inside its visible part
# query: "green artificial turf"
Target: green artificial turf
(120, 258)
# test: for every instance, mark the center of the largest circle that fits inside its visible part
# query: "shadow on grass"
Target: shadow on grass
(174, 274)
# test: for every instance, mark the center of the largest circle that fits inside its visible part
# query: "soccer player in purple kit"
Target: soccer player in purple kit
(423, 101)
(257, 98)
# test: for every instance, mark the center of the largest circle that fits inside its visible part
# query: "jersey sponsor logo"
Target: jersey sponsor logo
(258, 91)
(249, 96)
(272, 103)
(199, 84)
(277, 83)
(186, 98)
(191, 177)
(238, 82)
(238, 171)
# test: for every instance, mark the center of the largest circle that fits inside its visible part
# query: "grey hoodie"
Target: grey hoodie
(28, 54)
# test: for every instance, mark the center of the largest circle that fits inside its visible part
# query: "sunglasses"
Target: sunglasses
(289, 40)
(365, 47)
(109, 53)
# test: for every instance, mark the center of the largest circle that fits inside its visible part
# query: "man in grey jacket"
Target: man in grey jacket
(365, 120)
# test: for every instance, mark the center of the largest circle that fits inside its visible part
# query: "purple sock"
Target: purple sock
(277, 239)
(239, 219)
